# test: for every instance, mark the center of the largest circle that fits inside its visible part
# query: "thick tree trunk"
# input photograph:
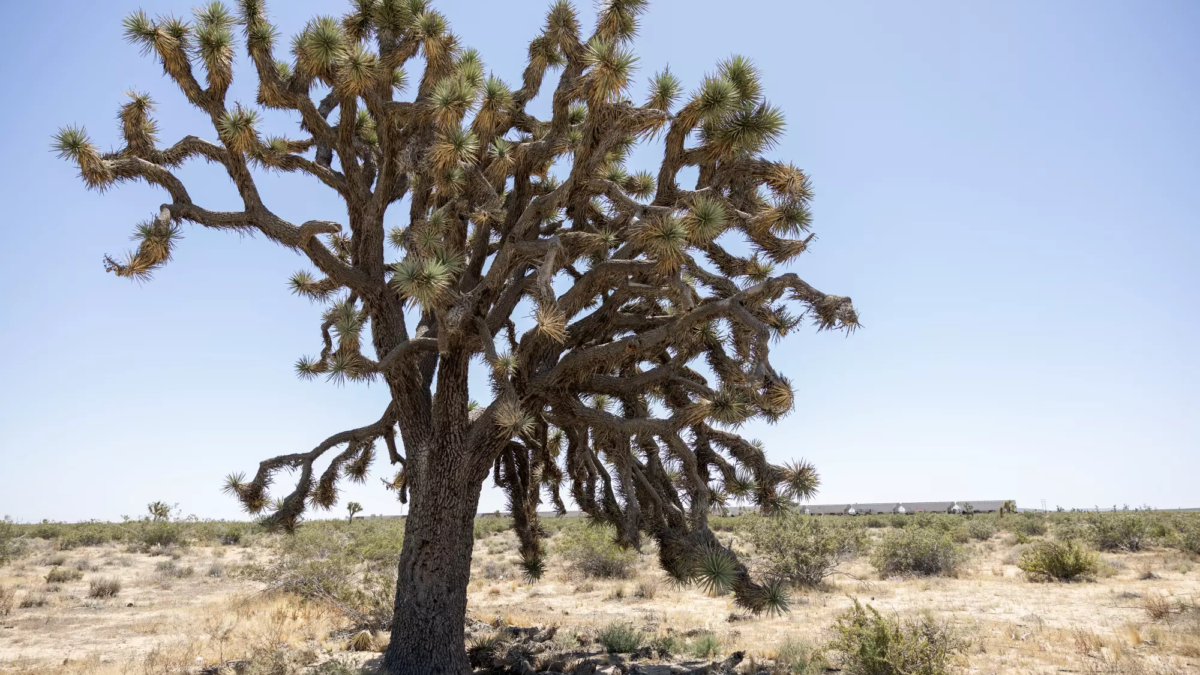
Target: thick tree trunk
(435, 566)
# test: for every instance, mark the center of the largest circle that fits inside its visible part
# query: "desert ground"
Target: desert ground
(194, 604)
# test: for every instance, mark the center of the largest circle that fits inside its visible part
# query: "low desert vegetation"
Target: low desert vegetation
(924, 551)
(620, 637)
(59, 575)
(593, 552)
(104, 587)
(336, 577)
(801, 550)
(1121, 532)
(11, 543)
(871, 643)
(1067, 560)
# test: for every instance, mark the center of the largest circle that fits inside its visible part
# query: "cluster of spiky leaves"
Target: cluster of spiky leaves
(649, 332)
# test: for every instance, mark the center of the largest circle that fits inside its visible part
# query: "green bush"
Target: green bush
(1118, 532)
(491, 525)
(12, 544)
(59, 575)
(705, 646)
(1030, 525)
(1071, 527)
(980, 529)
(797, 658)
(1187, 536)
(920, 551)
(86, 534)
(326, 564)
(592, 552)
(46, 530)
(171, 569)
(872, 644)
(620, 638)
(1061, 560)
(161, 533)
(801, 550)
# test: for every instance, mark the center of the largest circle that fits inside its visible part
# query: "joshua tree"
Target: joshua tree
(1009, 506)
(352, 509)
(159, 511)
(625, 322)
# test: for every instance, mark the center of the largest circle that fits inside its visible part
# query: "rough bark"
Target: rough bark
(435, 566)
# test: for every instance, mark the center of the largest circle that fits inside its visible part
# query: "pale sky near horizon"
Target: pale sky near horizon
(1008, 190)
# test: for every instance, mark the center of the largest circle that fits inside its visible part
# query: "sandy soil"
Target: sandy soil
(1015, 626)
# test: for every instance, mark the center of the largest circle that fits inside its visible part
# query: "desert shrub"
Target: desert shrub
(45, 530)
(58, 575)
(12, 544)
(8, 598)
(1118, 532)
(873, 644)
(725, 523)
(875, 522)
(620, 638)
(798, 658)
(647, 589)
(334, 667)
(802, 550)
(104, 587)
(34, 600)
(277, 661)
(172, 569)
(85, 565)
(161, 533)
(1070, 527)
(1159, 528)
(705, 646)
(667, 645)
(898, 521)
(920, 551)
(86, 534)
(216, 570)
(1061, 560)
(980, 529)
(377, 540)
(592, 552)
(326, 565)
(1187, 536)
(494, 571)
(1030, 525)
(486, 527)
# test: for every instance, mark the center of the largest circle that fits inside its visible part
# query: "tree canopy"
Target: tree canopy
(625, 322)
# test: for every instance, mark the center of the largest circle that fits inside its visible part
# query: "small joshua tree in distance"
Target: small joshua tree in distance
(159, 511)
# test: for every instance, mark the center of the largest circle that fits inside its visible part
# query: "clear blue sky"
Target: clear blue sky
(1008, 190)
